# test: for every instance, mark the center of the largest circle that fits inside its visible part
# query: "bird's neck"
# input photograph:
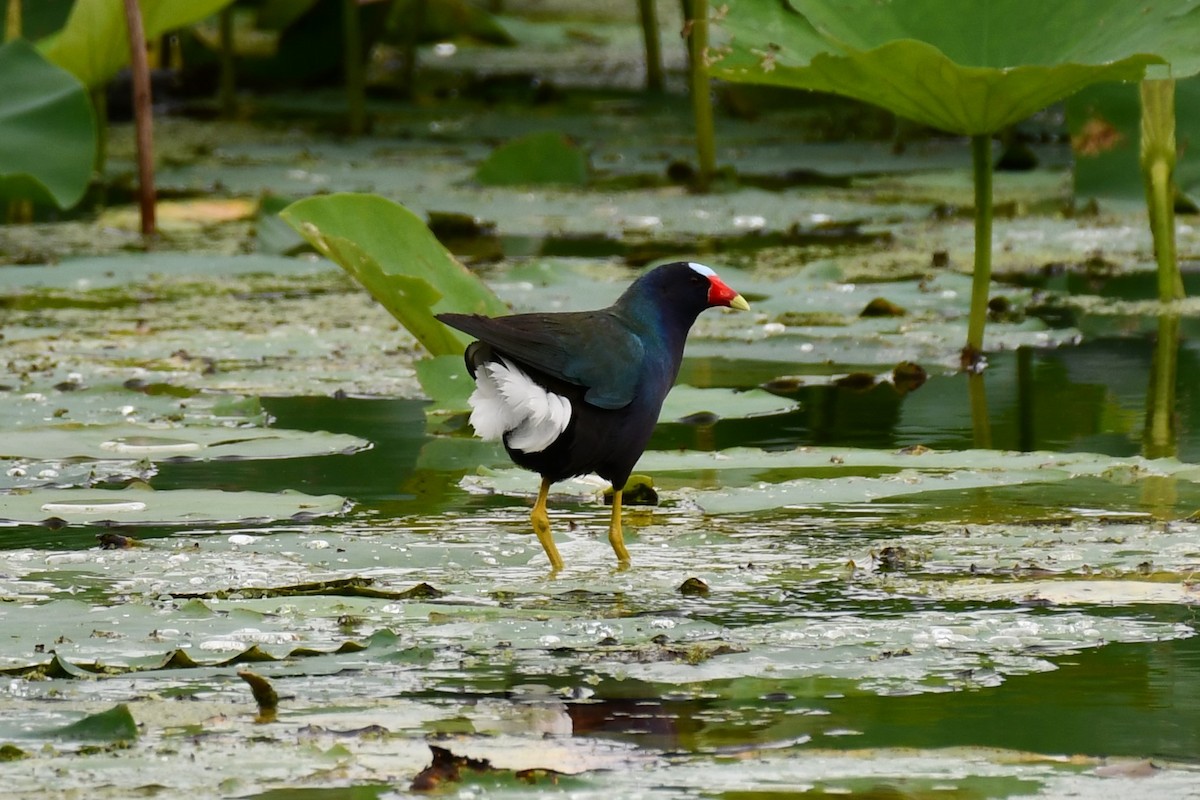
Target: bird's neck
(662, 325)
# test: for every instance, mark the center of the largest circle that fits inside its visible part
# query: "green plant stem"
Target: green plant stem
(981, 427)
(15, 210)
(981, 159)
(408, 50)
(227, 86)
(100, 105)
(355, 67)
(1158, 167)
(143, 121)
(12, 21)
(1025, 399)
(696, 20)
(1159, 440)
(654, 67)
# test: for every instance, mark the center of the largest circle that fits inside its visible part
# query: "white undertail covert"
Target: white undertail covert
(507, 404)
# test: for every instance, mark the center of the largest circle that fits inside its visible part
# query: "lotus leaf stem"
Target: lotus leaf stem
(1158, 167)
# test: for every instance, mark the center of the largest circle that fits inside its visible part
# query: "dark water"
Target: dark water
(1121, 700)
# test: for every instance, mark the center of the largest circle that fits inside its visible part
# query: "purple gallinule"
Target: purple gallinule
(576, 392)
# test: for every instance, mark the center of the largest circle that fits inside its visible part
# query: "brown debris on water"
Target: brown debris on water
(882, 307)
(446, 767)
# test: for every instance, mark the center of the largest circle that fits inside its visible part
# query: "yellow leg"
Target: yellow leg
(615, 537)
(541, 526)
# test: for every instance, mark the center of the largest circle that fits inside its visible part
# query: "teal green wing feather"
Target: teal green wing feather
(592, 349)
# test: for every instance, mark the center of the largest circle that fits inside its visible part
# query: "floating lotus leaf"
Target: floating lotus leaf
(849, 476)
(29, 473)
(67, 397)
(536, 159)
(131, 271)
(688, 401)
(814, 492)
(137, 506)
(850, 459)
(169, 442)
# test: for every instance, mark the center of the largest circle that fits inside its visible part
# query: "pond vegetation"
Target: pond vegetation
(228, 471)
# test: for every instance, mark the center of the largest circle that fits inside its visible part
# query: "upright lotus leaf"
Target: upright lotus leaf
(392, 253)
(94, 44)
(970, 68)
(47, 129)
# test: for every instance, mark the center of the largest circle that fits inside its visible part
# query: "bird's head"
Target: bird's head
(681, 290)
(718, 292)
(671, 296)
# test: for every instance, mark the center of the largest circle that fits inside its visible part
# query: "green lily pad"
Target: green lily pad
(160, 443)
(139, 506)
(811, 493)
(30, 473)
(686, 402)
(859, 460)
(62, 396)
(129, 271)
(538, 158)
(848, 477)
